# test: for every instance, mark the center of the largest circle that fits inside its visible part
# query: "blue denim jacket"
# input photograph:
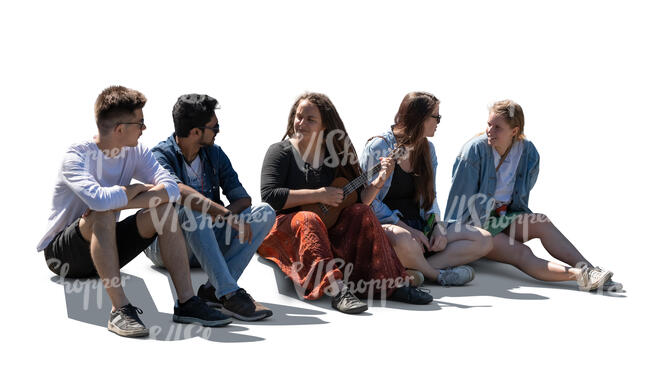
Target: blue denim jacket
(377, 148)
(217, 169)
(471, 196)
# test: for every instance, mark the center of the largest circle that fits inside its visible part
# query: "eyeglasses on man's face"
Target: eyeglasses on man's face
(139, 123)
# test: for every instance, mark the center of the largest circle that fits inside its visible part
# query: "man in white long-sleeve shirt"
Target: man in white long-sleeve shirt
(84, 238)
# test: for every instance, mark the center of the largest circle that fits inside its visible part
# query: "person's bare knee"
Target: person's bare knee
(522, 255)
(406, 246)
(167, 214)
(484, 243)
(396, 235)
(402, 242)
(157, 220)
(96, 220)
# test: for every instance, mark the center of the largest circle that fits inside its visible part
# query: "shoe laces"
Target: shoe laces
(130, 313)
(246, 295)
(595, 273)
(345, 293)
(421, 290)
(447, 277)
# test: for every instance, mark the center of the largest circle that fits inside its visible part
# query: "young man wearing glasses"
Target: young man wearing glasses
(84, 238)
(221, 239)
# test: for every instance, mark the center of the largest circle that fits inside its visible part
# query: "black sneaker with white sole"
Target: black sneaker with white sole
(125, 322)
(195, 310)
(243, 307)
(207, 293)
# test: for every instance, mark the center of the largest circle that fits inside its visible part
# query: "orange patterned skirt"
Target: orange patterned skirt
(355, 249)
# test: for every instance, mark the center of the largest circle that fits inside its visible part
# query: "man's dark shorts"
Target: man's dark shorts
(68, 254)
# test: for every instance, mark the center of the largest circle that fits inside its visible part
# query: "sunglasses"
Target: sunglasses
(215, 128)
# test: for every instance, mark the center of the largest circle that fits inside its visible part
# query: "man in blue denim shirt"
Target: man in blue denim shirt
(222, 240)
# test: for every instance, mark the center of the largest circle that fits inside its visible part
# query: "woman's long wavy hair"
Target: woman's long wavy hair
(416, 107)
(332, 121)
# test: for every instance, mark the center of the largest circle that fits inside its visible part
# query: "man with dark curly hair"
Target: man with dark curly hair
(221, 239)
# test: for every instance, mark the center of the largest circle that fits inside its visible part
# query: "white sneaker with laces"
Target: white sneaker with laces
(592, 278)
(456, 276)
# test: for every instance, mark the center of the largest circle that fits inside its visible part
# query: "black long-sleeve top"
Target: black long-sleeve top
(284, 169)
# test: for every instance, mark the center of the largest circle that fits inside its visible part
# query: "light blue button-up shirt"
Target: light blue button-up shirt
(378, 147)
(471, 197)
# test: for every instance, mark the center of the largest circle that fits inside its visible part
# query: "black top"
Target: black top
(400, 194)
(281, 172)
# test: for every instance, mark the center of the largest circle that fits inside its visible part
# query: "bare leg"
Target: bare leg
(538, 226)
(99, 229)
(515, 253)
(464, 244)
(163, 220)
(409, 251)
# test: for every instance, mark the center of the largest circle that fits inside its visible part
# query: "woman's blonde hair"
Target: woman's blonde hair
(512, 113)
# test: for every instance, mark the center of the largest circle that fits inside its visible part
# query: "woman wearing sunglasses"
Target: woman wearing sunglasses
(407, 205)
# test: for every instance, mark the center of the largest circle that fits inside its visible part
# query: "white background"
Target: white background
(580, 72)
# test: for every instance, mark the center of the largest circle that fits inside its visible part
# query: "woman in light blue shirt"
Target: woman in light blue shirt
(492, 179)
(406, 203)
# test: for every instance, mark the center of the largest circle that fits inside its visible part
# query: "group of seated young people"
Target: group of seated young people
(351, 227)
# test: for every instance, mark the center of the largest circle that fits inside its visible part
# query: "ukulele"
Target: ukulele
(330, 214)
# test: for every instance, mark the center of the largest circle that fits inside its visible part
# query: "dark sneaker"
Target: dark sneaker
(207, 293)
(346, 302)
(411, 295)
(613, 286)
(125, 322)
(195, 310)
(243, 307)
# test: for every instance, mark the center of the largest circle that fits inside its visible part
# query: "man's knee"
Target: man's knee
(164, 215)
(96, 220)
(264, 214)
(192, 220)
(99, 217)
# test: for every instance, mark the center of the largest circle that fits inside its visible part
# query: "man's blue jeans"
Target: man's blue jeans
(216, 247)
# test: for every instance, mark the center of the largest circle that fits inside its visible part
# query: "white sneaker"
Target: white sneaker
(591, 278)
(610, 285)
(456, 276)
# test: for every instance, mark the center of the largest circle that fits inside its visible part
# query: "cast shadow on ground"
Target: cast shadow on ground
(87, 301)
(492, 279)
(283, 315)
